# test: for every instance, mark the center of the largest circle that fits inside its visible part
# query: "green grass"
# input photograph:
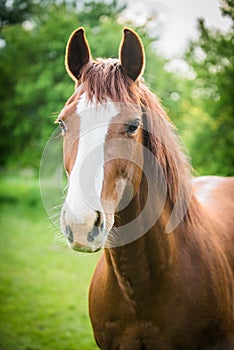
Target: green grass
(43, 285)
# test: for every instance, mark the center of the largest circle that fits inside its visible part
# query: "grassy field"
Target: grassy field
(43, 285)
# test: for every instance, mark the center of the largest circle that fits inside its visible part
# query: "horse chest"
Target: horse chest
(122, 323)
(130, 336)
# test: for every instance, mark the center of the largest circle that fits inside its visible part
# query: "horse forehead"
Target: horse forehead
(69, 110)
(94, 115)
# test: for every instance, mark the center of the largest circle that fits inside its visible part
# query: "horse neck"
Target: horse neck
(153, 256)
(149, 258)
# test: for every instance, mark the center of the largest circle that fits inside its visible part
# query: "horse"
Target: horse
(164, 280)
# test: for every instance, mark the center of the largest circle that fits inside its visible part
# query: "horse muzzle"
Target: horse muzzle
(91, 236)
(84, 234)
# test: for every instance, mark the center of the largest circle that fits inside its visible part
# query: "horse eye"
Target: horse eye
(62, 126)
(133, 126)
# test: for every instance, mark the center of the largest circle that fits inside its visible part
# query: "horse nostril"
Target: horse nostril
(69, 234)
(98, 219)
(92, 235)
(97, 228)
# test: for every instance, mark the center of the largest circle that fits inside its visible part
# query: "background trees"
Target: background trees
(34, 84)
(212, 59)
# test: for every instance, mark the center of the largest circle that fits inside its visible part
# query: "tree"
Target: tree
(16, 11)
(33, 82)
(211, 58)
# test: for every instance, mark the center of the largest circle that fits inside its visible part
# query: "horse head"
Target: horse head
(101, 123)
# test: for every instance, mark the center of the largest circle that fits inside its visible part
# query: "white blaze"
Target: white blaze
(86, 178)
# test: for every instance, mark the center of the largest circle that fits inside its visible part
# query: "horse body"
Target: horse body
(169, 291)
(165, 279)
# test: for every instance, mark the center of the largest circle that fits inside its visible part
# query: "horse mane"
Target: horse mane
(105, 79)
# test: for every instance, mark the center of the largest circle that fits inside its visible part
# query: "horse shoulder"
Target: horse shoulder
(208, 188)
(216, 194)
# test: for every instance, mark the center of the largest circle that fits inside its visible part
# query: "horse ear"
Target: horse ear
(77, 53)
(131, 54)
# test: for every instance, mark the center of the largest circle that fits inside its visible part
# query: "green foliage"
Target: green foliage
(227, 8)
(34, 80)
(212, 59)
(43, 285)
(95, 12)
(14, 12)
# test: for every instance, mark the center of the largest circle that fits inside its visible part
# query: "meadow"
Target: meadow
(43, 285)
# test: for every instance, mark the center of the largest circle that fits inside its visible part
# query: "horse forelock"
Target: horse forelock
(104, 79)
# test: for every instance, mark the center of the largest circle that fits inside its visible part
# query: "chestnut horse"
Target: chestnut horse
(165, 278)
